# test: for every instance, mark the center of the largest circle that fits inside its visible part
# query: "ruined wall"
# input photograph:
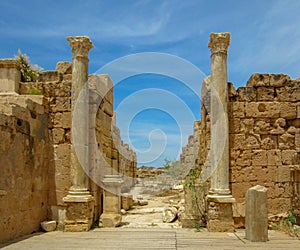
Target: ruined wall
(55, 86)
(194, 191)
(24, 165)
(264, 132)
(117, 155)
(36, 143)
(264, 123)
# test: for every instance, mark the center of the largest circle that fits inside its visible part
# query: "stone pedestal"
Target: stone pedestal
(219, 200)
(257, 214)
(10, 76)
(111, 216)
(79, 212)
(219, 214)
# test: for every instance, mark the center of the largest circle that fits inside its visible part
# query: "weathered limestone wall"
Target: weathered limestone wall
(264, 132)
(193, 190)
(55, 86)
(35, 153)
(264, 123)
(24, 180)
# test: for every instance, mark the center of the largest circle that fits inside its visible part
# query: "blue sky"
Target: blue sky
(265, 37)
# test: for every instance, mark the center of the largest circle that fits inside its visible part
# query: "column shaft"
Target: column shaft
(218, 44)
(80, 120)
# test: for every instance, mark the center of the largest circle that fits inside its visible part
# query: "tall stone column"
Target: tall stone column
(219, 199)
(79, 201)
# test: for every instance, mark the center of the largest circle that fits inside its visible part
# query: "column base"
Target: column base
(79, 212)
(110, 220)
(219, 213)
(190, 221)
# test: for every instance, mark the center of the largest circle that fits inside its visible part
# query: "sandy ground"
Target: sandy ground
(150, 216)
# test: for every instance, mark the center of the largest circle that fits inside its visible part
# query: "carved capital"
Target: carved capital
(80, 45)
(219, 42)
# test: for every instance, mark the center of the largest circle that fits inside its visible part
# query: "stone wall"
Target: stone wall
(24, 180)
(35, 153)
(264, 132)
(264, 124)
(55, 86)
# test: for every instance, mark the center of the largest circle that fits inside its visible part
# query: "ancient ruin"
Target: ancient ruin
(51, 169)
(263, 149)
(41, 177)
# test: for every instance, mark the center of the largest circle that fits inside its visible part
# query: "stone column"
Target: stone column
(219, 199)
(79, 201)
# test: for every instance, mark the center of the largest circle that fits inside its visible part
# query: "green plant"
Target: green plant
(192, 183)
(290, 221)
(29, 73)
(275, 226)
(173, 169)
(95, 224)
(198, 226)
(34, 91)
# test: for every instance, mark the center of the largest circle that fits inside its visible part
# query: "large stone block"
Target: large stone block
(246, 94)
(62, 120)
(288, 94)
(10, 75)
(58, 135)
(262, 126)
(244, 158)
(258, 80)
(288, 157)
(279, 80)
(236, 109)
(262, 109)
(265, 94)
(50, 76)
(288, 110)
(110, 220)
(79, 213)
(283, 174)
(259, 158)
(237, 141)
(257, 214)
(274, 157)
(64, 67)
(103, 85)
(60, 104)
(220, 215)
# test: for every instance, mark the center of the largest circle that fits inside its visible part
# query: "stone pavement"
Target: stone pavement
(129, 238)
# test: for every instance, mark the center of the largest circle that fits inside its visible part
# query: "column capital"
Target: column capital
(81, 45)
(219, 42)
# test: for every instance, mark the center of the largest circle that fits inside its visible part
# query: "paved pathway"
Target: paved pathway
(129, 238)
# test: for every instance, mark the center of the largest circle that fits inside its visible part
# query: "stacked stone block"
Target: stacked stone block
(24, 180)
(55, 86)
(45, 120)
(264, 127)
(264, 142)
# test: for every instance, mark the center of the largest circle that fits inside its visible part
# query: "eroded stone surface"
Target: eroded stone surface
(257, 214)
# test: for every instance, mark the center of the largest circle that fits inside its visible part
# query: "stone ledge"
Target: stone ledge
(78, 198)
(221, 199)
